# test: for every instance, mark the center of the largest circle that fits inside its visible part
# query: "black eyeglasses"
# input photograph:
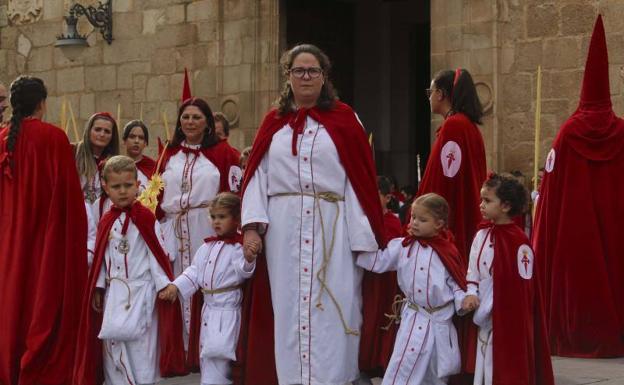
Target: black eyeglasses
(300, 72)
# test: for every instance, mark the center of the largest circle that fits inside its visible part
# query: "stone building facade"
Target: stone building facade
(232, 48)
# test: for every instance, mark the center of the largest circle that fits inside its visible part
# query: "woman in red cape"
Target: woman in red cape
(310, 189)
(43, 241)
(456, 170)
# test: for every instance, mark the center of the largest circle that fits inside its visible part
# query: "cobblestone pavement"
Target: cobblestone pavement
(568, 371)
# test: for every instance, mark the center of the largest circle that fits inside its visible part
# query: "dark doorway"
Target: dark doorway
(380, 50)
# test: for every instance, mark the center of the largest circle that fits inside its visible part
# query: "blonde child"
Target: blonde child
(219, 269)
(124, 328)
(431, 274)
(519, 354)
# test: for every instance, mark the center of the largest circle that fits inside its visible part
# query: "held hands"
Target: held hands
(169, 293)
(252, 245)
(470, 303)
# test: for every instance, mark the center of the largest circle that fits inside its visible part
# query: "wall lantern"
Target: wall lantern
(100, 17)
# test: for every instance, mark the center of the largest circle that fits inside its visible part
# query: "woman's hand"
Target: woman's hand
(252, 242)
(169, 293)
(470, 303)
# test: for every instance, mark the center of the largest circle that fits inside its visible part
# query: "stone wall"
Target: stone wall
(502, 42)
(230, 48)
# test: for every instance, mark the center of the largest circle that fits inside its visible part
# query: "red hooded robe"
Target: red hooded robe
(255, 352)
(43, 249)
(578, 235)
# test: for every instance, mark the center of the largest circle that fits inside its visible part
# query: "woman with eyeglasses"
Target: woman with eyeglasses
(310, 194)
(456, 170)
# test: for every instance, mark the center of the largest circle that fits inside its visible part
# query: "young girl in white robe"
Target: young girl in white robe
(431, 274)
(219, 269)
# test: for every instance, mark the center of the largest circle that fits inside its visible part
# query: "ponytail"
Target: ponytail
(460, 89)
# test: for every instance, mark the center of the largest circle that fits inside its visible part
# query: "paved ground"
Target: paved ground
(568, 371)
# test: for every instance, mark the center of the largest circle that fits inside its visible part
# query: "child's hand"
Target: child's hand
(169, 293)
(96, 302)
(251, 250)
(470, 303)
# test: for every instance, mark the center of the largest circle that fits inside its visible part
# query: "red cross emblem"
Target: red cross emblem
(451, 158)
(525, 261)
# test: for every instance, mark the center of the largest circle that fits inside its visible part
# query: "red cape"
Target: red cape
(520, 352)
(43, 264)
(88, 370)
(461, 189)
(376, 344)
(578, 235)
(147, 166)
(221, 155)
(256, 361)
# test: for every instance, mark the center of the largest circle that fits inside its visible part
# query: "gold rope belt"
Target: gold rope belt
(321, 275)
(397, 305)
(177, 226)
(222, 289)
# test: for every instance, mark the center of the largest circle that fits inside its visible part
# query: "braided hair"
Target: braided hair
(27, 93)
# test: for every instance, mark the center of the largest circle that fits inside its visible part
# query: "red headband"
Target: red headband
(456, 78)
(104, 114)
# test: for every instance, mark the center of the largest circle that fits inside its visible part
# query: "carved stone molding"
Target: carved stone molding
(24, 11)
(230, 108)
(484, 90)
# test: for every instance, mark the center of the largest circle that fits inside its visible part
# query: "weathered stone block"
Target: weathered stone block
(123, 51)
(612, 11)
(158, 88)
(52, 9)
(232, 52)
(516, 95)
(577, 18)
(108, 101)
(175, 35)
(40, 59)
(204, 83)
(163, 61)
(454, 38)
(88, 56)
(507, 59)
(23, 45)
(176, 14)
(126, 72)
(438, 40)
(123, 6)
(542, 20)
(152, 19)
(87, 106)
(49, 79)
(208, 31)
(236, 79)
(481, 10)
(477, 35)
(528, 55)
(4, 19)
(238, 29)
(202, 10)
(101, 78)
(562, 53)
(237, 9)
(70, 80)
(561, 84)
(128, 25)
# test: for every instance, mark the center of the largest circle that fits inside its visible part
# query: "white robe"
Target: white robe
(135, 359)
(95, 209)
(186, 223)
(217, 265)
(143, 181)
(91, 234)
(311, 345)
(480, 283)
(426, 350)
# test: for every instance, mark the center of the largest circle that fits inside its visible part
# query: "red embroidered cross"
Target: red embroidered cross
(451, 158)
(525, 261)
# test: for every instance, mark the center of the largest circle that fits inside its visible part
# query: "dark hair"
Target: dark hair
(461, 92)
(326, 99)
(27, 93)
(409, 189)
(510, 191)
(436, 205)
(220, 117)
(135, 123)
(384, 185)
(210, 137)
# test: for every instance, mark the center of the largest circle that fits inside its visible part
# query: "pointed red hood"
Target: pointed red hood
(594, 131)
(596, 92)
(186, 88)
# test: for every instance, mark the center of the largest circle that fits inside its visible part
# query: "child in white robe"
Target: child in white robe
(432, 276)
(128, 282)
(219, 269)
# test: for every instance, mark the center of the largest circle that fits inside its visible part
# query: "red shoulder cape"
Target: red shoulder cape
(88, 370)
(376, 344)
(521, 353)
(579, 240)
(147, 166)
(43, 249)
(254, 365)
(221, 155)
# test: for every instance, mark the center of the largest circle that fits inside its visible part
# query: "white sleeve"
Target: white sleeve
(91, 228)
(256, 198)
(361, 236)
(381, 261)
(161, 240)
(158, 273)
(242, 268)
(458, 293)
(473, 273)
(188, 281)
